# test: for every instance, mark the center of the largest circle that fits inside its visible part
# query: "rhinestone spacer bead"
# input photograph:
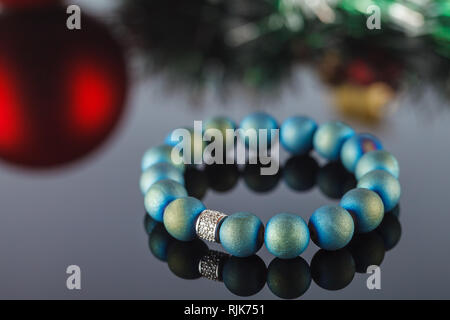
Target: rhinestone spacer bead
(211, 264)
(208, 223)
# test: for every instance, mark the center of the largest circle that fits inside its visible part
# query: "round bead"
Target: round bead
(300, 172)
(242, 234)
(173, 141)
(159, 171)
(330, 137)
(296, 134)
(183, 258)
(367, 250)
(288, 279)
(257, 182)
(366, 208)
(377, 160)
(220, 123)
(257, 121)
(334, 180)
(180, 216)
(390, 230)
(244, 276)
(355, 147)
(160, 195)
(159, 241)
(286, 236)
(158, 154)
(333, 270)
(385, 185)
(195, 182)
(331, 227)
(197, 144)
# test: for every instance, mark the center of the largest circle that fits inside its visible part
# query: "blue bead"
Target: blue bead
(385, 185)
(242, 234)
(296, 134)
(158, 154)
(159, 241)
(196, 143)
(159, 171)
(169, 141)
(366, 208)
(330, 137)
(377, 160)
(258, 120)
(160, 195)
(355, 147)
(180, 217)
(331, 227)
(286, 236)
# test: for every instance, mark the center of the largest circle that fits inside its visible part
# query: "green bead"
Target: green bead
(286, 236)
(160, 195)
(222, 124)
(242, 234)
(180, 217)
(366, 208)
(329, 138)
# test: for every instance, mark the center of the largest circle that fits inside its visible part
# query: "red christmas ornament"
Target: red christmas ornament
(62, 91)
(360, 72)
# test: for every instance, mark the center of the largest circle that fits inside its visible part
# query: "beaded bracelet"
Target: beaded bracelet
(286, 235)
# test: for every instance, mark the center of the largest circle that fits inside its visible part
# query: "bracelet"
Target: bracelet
(286, 235)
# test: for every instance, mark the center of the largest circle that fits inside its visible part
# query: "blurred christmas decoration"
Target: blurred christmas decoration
(256, 43)
(61, 92)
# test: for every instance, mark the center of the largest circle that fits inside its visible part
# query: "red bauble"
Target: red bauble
(361, 72)
(62, 92)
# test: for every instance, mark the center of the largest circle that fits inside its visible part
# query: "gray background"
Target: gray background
(91, 213)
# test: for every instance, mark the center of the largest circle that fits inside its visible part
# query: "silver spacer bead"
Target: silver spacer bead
(211, 264)
(208, 223)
